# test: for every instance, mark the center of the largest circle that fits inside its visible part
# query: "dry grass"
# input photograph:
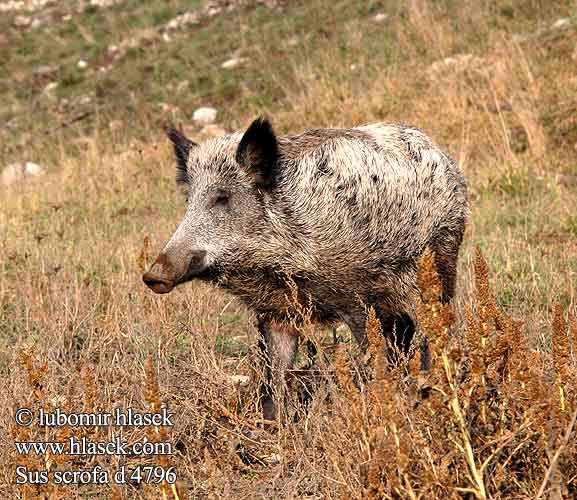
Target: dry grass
(493, 417)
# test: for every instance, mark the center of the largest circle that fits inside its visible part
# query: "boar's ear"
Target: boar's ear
(182, 146)
(258, 151)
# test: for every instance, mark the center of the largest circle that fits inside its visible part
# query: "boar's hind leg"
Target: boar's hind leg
(278, 345)
(446, 247)
(399, 330)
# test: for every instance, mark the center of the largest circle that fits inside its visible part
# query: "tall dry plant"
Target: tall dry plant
(486, 421)
(159, 434)
(39, 398)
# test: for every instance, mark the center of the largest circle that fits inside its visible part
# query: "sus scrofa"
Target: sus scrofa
(341, 213)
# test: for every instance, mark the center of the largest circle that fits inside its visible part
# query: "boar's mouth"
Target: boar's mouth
(163, 285)
(204, 274)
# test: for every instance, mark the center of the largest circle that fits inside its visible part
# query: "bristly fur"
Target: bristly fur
(258, 151)
(181, 145)
(346, 209)
(339, 216)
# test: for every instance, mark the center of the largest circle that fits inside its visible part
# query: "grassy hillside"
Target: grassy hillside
(85, 88)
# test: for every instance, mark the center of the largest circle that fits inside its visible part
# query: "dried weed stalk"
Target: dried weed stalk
(486, 419)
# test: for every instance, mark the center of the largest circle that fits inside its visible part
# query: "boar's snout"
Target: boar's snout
(157, 283)
(166, 273)
(160, 278)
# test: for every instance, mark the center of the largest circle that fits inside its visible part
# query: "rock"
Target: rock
(22, 21)
(49, 89)
(455, 64)
(168, 108)
(233, 63)
(29, 5)
(204, 115)
(380, 17)
(186, 19)
(213, 130)
(46, 70)
(271, 4)
(561, 23)
(103, 3)
(210, 9)
(213, 10)
(32, 169)
(240, 380)
(18, 171)
(115, 52)
(14, 5)
(84, 100)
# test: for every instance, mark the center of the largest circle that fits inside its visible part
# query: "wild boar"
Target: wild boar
(339, 215)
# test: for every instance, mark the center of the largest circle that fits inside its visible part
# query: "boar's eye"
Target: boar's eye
(221, 198)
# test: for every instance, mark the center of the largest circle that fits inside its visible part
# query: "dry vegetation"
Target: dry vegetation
(494, 417)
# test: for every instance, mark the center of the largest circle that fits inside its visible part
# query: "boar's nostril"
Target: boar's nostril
(157, 284)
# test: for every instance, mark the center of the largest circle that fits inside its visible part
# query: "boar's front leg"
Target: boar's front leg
(278, 344)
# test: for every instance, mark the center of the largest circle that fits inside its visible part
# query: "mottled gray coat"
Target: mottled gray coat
(342, 213)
